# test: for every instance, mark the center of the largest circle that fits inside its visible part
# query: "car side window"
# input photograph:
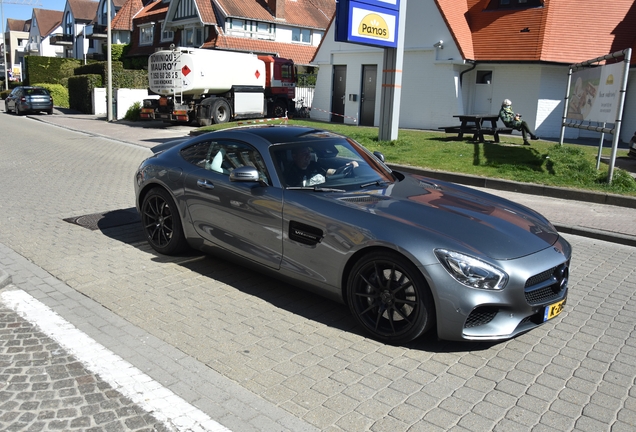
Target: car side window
(225, 156)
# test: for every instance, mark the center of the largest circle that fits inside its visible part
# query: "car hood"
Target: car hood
(476, 221)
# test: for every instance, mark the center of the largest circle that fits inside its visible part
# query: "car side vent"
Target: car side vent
(305, 234)
(363, 199)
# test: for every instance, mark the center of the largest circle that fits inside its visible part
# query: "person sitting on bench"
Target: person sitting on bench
(513, 120)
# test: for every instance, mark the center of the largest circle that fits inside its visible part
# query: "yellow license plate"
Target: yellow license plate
(553, 310)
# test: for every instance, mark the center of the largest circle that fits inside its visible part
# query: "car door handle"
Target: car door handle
(204, 184)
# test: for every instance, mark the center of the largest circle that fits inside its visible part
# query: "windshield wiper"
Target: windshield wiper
(315, 189)
(374, 183)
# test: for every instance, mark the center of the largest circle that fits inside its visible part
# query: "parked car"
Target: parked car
(26, 99)
(406, 253)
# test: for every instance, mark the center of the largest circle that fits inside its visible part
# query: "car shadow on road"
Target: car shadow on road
(125, 226)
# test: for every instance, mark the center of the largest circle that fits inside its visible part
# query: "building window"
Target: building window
(68, 24)
(192, 37)
(301, 35)
(513, 4)
(146, 34)
(104, 15)
(166, 35)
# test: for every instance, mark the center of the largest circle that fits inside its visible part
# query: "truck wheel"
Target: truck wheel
(279, 109)
(220, 111)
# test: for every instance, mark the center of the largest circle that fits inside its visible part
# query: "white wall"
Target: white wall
(124, 99)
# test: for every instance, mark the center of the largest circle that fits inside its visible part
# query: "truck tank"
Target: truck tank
(195, 72)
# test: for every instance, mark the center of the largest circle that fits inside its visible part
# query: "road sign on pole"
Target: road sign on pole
(378, 23)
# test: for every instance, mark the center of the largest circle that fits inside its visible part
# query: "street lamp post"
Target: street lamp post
(4, 47)
(109, 90)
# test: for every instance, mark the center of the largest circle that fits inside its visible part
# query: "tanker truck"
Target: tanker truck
(213, 86)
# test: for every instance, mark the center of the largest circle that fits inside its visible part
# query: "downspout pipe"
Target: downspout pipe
(461, 75)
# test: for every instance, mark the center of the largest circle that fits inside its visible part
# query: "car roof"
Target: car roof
(282, 134)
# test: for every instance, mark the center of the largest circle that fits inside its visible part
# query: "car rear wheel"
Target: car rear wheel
(17, 110)
(390, 298)
(161, 222)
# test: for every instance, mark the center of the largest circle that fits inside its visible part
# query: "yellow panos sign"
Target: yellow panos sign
(373, 25)
(368, 22)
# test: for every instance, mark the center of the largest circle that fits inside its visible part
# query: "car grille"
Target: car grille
(547, 286)
(480, 316)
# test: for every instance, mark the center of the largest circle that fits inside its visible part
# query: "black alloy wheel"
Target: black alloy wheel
(390, 298)
(161, 223)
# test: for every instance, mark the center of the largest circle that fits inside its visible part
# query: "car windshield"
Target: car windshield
(328, 163)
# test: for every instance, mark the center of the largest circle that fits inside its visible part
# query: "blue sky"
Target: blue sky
(14, 10)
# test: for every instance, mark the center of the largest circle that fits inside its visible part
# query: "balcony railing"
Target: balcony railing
(96, 31)
(62, 39)
(32, 47)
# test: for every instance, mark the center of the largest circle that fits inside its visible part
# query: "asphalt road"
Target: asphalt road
(252, 353)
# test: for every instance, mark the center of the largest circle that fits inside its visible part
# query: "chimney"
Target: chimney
(277, 7)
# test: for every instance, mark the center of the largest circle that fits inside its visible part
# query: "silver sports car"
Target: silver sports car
(406, 253)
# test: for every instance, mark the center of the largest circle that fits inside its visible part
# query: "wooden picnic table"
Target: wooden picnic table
(478, 125)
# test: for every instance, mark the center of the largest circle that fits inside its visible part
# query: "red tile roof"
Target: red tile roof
(300, 54)
(153, 9)
(562, 31)
(47, 20)
(124, 17)
(206, 12)
(304, 13)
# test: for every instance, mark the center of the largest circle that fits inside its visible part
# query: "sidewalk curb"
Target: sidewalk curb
(5, 279)
(526, 188)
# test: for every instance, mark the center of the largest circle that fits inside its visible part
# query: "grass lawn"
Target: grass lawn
(544, 162)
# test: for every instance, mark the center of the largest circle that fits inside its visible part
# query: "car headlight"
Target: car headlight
(472, 272)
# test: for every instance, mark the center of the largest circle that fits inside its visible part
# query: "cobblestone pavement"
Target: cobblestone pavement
(292, 355)
(44, 388)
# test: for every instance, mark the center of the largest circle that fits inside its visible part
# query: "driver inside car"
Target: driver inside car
(303, 171)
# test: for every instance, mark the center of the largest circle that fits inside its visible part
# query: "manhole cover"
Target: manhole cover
(110, 219)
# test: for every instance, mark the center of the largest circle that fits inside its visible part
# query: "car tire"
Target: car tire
(390, 298)
(220, 111)
(161, 222)
(49, 112)
(17, 110)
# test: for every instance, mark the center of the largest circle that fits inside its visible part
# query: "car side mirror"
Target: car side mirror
(245, 174)
(379, 155)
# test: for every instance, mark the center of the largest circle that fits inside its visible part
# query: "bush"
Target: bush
(51, 70)
(134, 112)
(59, 93)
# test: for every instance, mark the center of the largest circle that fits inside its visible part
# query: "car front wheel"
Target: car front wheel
(161, 223)
(390, 298)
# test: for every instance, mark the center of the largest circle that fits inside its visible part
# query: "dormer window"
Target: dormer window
(301, 35)
(146, 33)
(513, 4)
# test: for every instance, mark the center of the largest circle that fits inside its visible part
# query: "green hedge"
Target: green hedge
(122, 78)
(51, 70)
(80, 90)
(59, 93)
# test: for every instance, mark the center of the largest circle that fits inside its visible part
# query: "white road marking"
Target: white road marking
(163, 404)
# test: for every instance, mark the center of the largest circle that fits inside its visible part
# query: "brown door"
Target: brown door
(367, 98)
(338, 94)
